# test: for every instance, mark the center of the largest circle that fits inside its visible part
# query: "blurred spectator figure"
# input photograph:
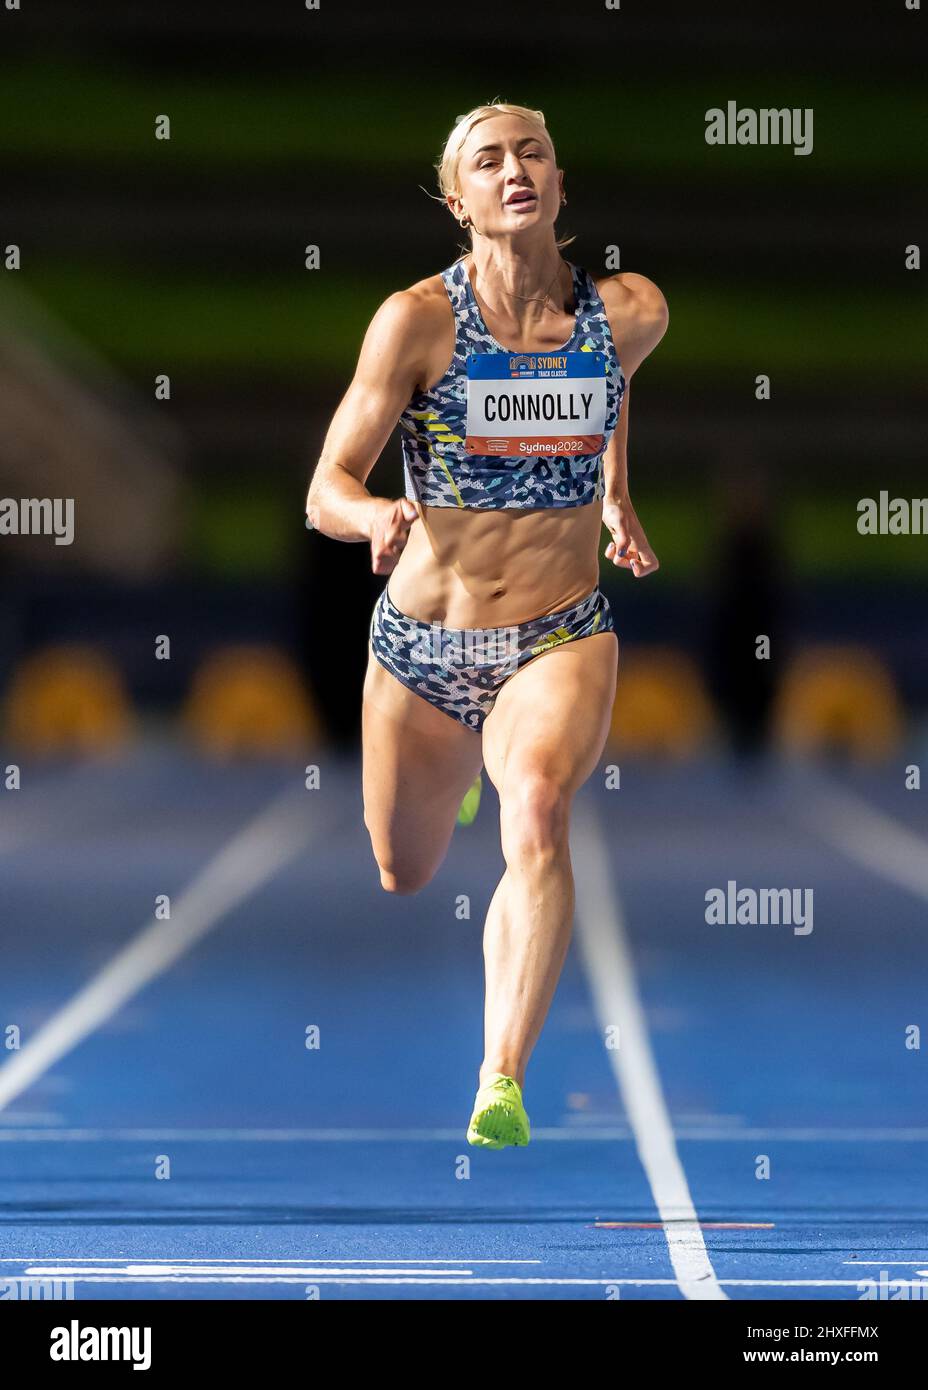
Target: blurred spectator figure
(747, 600)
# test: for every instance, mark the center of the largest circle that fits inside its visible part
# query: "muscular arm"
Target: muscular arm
(390, 365)
(638, 317)
(615, 459)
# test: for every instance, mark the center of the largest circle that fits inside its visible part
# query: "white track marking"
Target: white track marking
(817, 1135)
(243, 865)
(263, 1260)
(352, 1271)
(323, 1279)
(441, 1282)
(169, 1270)
(610, 973)
(862, 833)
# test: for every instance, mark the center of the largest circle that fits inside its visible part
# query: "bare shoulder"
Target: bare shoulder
(637, 313)
(421, 308)
(632, 297)
(414, 324)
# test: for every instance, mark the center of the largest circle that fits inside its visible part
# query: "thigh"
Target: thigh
(552, 716)
(417, 764)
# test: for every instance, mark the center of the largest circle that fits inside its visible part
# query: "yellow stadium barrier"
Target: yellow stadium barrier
(250, 700)
(838, 697)
(661, 706)
(68, 698)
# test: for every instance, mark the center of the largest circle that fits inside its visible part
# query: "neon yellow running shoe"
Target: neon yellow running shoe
(499, 1117)
(471, 802)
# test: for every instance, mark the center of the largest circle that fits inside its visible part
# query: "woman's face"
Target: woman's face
(507, 177)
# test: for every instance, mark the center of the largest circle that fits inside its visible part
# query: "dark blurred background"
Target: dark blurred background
(293, 128)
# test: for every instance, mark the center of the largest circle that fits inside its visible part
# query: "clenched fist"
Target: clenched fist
(390, 529)
(629, 548)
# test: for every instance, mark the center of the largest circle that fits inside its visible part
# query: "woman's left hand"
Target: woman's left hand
(629, 548)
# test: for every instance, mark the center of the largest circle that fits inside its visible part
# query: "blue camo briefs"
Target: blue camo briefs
(461, 670)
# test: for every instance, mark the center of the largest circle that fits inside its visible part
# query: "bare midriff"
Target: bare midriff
(467, 567)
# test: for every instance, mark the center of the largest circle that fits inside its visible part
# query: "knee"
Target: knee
(535, 815)
(403, 874)
(404, 880)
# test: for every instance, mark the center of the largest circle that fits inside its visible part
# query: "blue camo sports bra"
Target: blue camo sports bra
(504, 429)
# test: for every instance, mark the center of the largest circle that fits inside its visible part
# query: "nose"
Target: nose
(513, 165)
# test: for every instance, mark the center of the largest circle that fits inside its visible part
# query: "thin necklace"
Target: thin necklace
(533, 298)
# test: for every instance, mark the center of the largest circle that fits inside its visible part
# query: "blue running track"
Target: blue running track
(191, 1145)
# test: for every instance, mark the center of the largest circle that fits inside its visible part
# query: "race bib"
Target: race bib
(535, 403)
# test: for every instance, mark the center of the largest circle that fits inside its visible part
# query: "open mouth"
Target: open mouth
(521, 200)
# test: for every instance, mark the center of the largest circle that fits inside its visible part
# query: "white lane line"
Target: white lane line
(862, 833)
(214, 1136)
(438, 1282)
(820, 1134)
(261, 1260)
(208, 1272)
(248, 861)
(473, 1283)
(611, 977)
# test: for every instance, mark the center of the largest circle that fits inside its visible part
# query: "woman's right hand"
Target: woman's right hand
(389, 531)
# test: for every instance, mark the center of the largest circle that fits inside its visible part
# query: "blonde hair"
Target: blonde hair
(448, 165)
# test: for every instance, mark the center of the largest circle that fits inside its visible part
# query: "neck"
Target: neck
(512, 275)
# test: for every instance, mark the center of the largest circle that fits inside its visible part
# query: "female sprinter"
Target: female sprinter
(508, 373)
